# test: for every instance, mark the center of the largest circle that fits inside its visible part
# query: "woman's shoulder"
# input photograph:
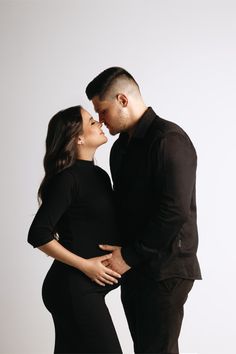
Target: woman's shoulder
(65, 179)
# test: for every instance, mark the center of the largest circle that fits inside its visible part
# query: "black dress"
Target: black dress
(78, 206)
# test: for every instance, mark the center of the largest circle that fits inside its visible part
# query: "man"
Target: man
(153, 167)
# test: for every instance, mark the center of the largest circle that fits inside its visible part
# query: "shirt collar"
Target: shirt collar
(144, 123)
(141, 127)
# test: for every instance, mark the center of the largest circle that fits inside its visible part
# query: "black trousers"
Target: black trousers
(81, 318)
(154, 311)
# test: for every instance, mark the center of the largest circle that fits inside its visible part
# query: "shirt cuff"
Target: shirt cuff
(131, 256)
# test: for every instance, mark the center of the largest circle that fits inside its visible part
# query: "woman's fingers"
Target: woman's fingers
(112, 273)
(106, 281)
(110, 279)
(105, 278)
(105, 257)
(99, 282)
(101, 274)
(102, 280)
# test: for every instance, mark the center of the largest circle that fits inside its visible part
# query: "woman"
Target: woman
(75, 216)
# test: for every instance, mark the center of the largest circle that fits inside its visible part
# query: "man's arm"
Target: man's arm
(178, 172)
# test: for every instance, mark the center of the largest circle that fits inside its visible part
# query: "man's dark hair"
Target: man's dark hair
(102, 83)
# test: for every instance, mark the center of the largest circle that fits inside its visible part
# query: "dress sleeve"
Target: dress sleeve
(172, 203)
(58, 198)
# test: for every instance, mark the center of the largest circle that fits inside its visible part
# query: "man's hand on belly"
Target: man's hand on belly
(116, 262)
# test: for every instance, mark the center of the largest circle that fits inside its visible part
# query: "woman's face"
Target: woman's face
(92, 135)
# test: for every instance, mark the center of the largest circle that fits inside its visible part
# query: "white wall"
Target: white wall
(182, 53)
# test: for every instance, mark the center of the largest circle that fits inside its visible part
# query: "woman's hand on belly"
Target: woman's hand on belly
(98, 272)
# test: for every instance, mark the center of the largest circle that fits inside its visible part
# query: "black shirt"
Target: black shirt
(154, 176)
(79, 206)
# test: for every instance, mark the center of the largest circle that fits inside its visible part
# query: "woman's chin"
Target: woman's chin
(105, 139)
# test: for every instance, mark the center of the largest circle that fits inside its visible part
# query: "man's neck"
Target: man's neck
(139, 112)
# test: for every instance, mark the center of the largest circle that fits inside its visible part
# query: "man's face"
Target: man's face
(112, 114)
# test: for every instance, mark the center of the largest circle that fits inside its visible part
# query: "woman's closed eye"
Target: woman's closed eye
(92, 121)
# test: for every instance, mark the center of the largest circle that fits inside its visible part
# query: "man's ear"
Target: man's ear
(122, 99)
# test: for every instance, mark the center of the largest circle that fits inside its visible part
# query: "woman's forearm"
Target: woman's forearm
(55, 250)
(92, 267)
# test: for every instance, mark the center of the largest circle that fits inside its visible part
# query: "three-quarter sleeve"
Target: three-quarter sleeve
(58, 198)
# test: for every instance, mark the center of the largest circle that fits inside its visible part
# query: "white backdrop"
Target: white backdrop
(183, 55)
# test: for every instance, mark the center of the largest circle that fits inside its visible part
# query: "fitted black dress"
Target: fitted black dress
(78, 206)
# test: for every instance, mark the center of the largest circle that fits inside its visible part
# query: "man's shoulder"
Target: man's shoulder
(162, 127)
(168, 131)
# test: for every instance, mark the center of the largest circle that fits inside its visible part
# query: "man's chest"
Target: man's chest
(136, 171)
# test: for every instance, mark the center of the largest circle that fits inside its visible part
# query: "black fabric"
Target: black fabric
(154, 310)
(154, 177)
(78, 207)
(81, 318)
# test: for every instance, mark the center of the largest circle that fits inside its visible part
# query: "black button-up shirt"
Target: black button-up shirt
(154, 174)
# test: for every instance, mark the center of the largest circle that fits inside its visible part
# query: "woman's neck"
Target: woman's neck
(86, 155)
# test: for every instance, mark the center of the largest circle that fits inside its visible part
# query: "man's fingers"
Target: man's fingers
(105, 257)
(107, 247)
